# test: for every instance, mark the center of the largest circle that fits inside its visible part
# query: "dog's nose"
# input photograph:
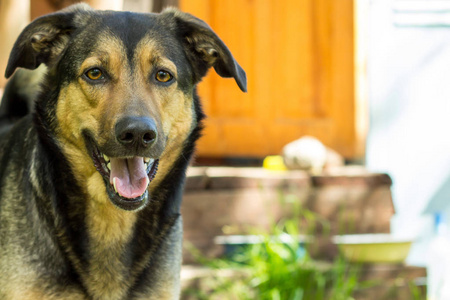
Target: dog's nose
(136, 131)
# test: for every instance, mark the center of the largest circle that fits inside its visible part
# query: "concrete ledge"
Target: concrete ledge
(216, 178)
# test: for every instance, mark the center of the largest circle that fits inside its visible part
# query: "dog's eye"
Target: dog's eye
(95, 74)
(163, 76)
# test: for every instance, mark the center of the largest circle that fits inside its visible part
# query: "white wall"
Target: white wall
(409, 96)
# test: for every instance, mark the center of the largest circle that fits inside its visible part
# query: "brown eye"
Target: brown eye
(95, 74)
(163, 76)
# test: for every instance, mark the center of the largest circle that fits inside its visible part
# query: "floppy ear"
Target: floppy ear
(43, 40)
(205, 49)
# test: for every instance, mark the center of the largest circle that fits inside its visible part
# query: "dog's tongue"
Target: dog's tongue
(129, 176)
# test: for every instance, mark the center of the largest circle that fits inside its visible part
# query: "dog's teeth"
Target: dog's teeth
(109, 166)
(146, 159)
(114, 184)
(106, 158)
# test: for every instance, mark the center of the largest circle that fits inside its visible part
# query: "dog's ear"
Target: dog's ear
(44, 40)
(205, 49)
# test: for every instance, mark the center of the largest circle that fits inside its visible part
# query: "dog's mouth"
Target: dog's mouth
(126, 178)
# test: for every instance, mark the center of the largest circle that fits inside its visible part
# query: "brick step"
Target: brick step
(223, 200)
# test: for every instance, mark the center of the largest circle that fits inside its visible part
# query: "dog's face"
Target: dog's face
(126, 91)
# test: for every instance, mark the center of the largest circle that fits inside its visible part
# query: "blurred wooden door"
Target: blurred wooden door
(299, 59)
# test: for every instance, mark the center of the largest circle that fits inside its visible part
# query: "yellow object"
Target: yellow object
(274, 163)
(373, 248)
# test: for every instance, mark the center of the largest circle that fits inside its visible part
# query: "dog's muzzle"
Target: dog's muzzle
(128, 175)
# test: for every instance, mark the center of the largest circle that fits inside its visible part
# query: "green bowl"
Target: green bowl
(373, 248)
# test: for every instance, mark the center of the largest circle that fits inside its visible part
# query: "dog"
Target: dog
(93, 156)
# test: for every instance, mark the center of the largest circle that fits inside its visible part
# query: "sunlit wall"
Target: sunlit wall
(409, 67)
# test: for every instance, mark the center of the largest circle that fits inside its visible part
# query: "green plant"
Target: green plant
(284, 270)
(280, 268)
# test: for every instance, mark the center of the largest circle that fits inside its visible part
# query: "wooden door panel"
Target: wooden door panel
(298, 55)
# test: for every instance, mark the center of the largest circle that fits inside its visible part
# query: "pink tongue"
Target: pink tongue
(130, 176)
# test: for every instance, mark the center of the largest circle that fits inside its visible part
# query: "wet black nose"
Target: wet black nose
(136, 131)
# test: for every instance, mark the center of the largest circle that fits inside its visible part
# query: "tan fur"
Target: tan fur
(33, 176)
(181, 114)
(175, 109)
(110, 229)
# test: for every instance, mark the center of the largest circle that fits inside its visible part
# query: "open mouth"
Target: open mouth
(126, 178)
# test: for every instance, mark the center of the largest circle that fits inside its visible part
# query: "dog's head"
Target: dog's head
(125, 84)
